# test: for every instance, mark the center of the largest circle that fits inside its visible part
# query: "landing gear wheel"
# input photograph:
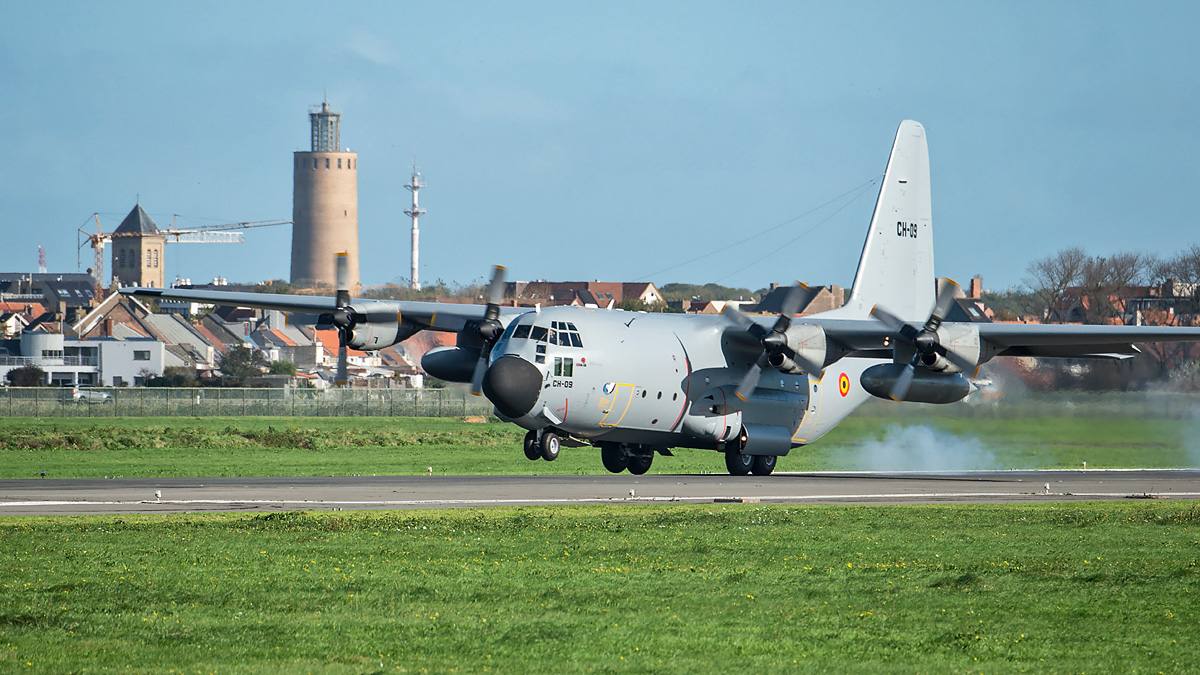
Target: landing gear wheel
(614, 457)
(550, 446)
(531, 446)
(640, 464)
(763, 465)
(737, 463)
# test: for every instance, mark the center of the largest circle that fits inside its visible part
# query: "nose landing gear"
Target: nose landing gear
(546, 447)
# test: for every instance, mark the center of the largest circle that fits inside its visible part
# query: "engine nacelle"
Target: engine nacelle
(806, 341)
(377, 325)
(962, 340)
(452, 364)
(926, 387)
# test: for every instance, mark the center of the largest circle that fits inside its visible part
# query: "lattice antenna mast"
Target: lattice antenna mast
(414, 186)
(41, 260)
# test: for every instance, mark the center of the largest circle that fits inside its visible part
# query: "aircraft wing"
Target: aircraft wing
(1057, 340)
(440, 316)
(867, 338)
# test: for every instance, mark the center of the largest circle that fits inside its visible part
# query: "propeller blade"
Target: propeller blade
(900, 389)
(740, 320)
(342, 266)
(477, 376)
(496, 288)
(948, 292)
(797, 298)
(342, 378)
(888, 319)
(750, 381)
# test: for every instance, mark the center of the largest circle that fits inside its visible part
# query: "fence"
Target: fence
(216, 402)
(457, 401)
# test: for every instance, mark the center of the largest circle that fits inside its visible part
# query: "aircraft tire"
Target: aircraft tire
(550, 446)
(640, 464)
(738, 464)
(614, 457)
(531, 446)
(763, 465)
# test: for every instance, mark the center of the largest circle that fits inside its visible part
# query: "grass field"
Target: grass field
(654, 589)
(147, 447)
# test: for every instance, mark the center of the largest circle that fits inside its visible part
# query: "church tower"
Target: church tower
(137, 251)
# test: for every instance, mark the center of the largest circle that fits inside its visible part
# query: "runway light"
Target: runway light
(1047, 488)
(158, 495)
(430, 469)
(631, 493)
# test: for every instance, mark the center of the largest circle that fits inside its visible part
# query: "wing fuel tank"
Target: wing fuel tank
(926, 387)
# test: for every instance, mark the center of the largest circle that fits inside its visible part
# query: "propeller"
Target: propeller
(926, 343)
(773, 341)
(343, 317)
(489, 328)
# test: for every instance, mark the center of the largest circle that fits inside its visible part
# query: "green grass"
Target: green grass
(182, 447)
(654, 589)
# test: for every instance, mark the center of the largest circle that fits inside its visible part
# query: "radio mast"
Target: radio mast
(414, 186)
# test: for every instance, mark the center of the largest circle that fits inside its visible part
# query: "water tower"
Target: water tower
(324, 205)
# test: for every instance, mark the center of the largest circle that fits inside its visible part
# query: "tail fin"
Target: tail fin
(896, 267)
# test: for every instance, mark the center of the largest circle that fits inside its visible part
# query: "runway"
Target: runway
(191, 495)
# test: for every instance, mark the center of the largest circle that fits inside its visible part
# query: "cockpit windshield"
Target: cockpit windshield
(561, 333)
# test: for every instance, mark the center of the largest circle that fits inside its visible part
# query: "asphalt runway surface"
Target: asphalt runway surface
(359, 493)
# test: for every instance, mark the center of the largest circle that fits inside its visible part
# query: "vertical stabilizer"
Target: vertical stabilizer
(896, 267)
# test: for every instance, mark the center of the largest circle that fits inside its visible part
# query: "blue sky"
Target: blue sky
(612, 141)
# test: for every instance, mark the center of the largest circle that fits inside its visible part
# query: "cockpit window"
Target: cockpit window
(522, 332)
(538, 334)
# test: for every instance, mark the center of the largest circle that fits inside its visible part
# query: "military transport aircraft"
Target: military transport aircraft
(635, 384)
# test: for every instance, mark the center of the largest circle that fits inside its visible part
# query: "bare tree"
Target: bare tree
(1108, 282)
(1050, 277)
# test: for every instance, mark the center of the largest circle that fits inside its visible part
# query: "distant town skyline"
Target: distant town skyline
(663, 142)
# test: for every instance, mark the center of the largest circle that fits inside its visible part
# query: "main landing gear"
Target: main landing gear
(741, 465)
(546, 447)
(618, 457)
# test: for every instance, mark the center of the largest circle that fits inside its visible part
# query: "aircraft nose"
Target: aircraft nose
(512, 384)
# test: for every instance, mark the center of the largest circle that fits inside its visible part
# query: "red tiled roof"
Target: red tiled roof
(282, 338)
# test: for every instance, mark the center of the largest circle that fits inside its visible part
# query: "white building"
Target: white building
(104, 362)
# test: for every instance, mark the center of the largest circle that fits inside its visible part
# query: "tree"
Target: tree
(1106, 281)
(27, 376)
(1050, 277)
(241, 363)
(282, 368)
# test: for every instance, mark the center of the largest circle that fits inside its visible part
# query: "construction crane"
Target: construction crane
(206, 234)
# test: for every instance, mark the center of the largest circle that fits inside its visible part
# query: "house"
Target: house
(583, 293)
(826, 298)
(107, 362)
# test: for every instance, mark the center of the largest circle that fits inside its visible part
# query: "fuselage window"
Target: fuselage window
(564, 367)
(540, 356)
